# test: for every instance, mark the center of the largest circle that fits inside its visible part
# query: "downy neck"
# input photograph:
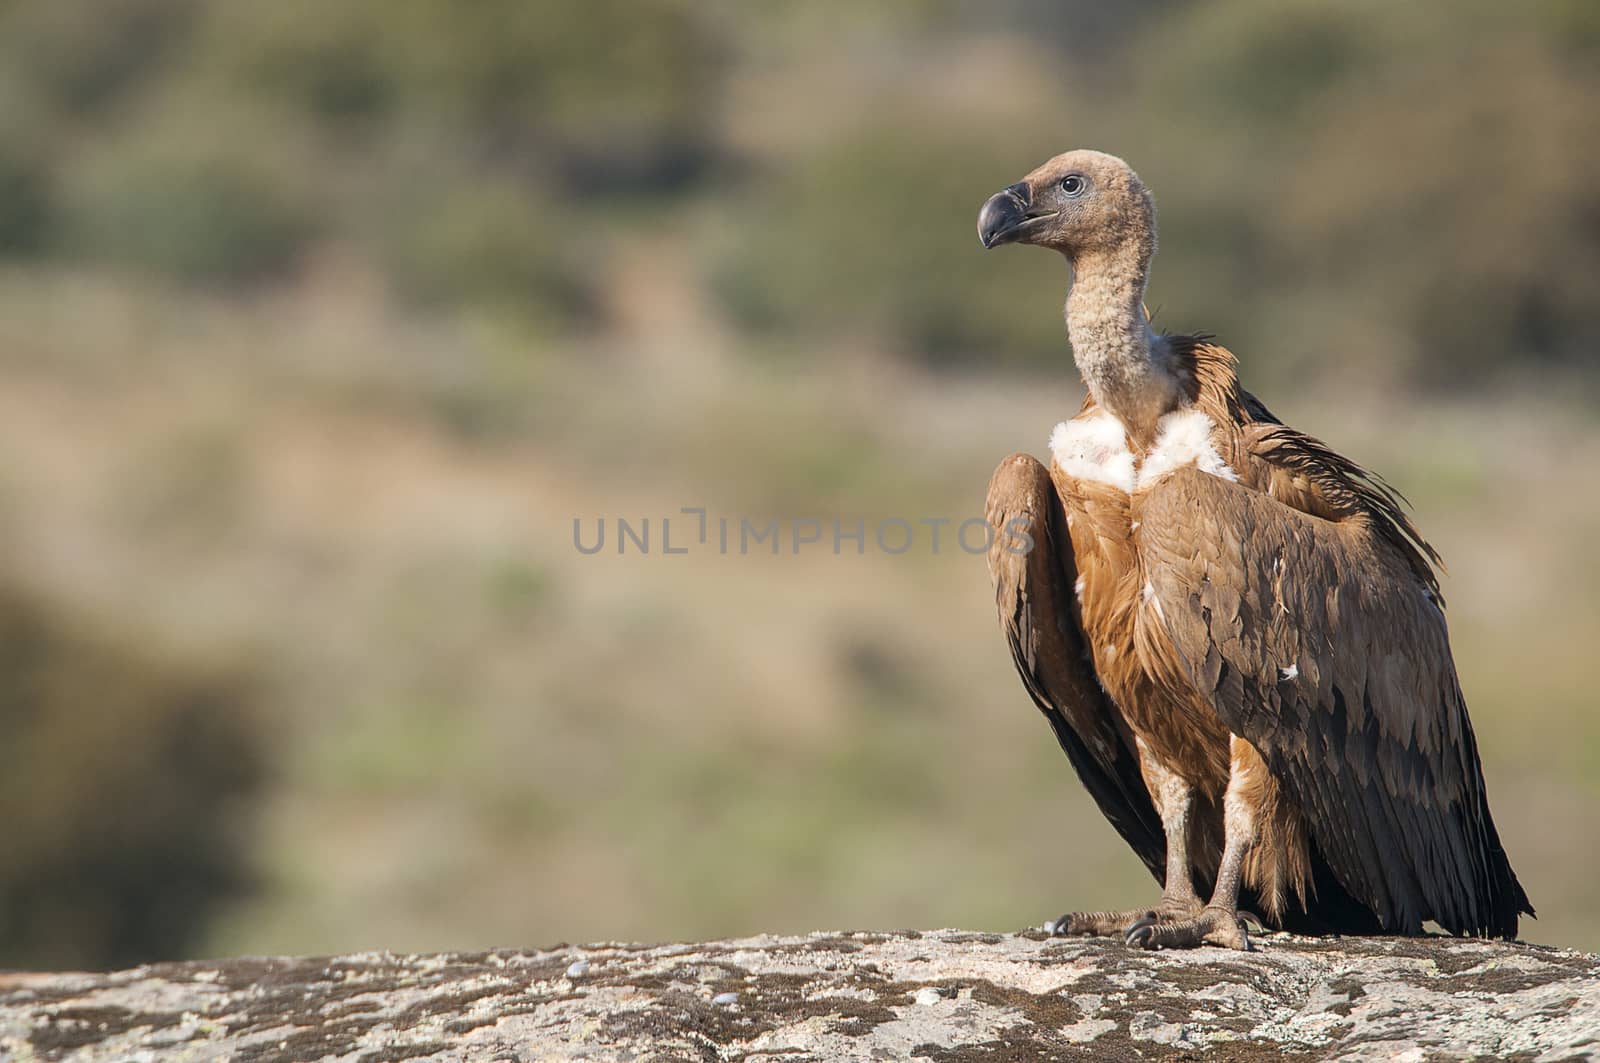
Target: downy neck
(1122, 361)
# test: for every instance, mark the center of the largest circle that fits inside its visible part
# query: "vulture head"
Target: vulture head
(1078, 203)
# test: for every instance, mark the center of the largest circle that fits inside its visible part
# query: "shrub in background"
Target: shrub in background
(127, 781)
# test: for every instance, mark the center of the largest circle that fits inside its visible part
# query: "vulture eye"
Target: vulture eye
(1073, 185)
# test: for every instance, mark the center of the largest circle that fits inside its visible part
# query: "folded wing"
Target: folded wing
(1030, 560)
(1318, 641)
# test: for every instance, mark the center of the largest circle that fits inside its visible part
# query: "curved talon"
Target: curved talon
(1141, 935)
(1096, 924)
(1139, 932)
(1244, 915)
(1214, 926)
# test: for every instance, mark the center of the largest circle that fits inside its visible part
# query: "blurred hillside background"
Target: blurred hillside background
(320, 324)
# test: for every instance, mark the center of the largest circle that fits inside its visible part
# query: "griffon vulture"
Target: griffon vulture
(1235, 632)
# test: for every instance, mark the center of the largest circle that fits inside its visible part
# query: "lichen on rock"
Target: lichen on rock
(943, 996)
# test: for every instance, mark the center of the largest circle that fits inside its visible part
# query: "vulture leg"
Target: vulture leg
(1174, 798)
(1176, 907)
(1220, 922)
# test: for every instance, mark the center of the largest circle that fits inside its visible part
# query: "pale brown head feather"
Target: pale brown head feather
(1092, 208)
(1113, 211)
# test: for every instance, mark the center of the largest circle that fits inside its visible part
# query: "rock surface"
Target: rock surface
(940, 996)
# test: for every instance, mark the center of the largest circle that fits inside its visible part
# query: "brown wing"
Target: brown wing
(1318, 641)
(1030, 561)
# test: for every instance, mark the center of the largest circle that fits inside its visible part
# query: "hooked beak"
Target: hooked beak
(1007, 216)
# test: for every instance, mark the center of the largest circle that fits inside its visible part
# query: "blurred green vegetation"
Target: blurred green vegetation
(126, 791)
(200, 215)
(835, 246)
(495, 155)
(320, 322)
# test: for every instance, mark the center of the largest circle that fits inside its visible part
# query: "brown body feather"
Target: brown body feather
(1195, 596)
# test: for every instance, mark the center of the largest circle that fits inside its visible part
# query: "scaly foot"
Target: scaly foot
(1213, 926)
(1117, 924)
